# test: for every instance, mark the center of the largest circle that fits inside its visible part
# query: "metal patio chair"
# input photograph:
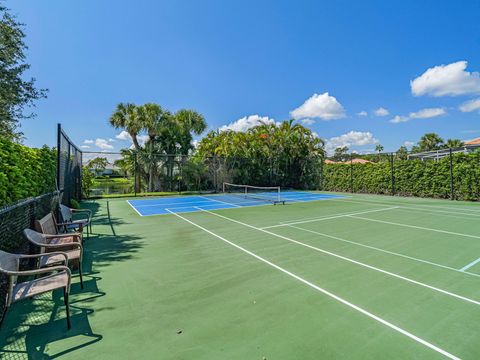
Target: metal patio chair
(46, 279)
(68, 244)
(69, 223)
(48, 225)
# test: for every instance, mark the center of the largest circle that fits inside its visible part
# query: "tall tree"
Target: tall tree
(379, 148)
(454, 143)
(341, 153)
(429, 142)
(16, 93)
(127, 116)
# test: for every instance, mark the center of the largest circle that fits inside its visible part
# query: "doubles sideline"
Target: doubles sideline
(326, 292)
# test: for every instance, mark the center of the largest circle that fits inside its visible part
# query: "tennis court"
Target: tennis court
(350, 276)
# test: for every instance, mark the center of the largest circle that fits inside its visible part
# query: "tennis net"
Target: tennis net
(263, 193)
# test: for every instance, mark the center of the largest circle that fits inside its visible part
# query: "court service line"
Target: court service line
(388, 252)
(415, 227)
(326, 292)
(134, 208)
(328, 217)
(468, 266)
(219, 201)
(445, 292)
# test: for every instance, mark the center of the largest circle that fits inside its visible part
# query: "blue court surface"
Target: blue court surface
(181, 204)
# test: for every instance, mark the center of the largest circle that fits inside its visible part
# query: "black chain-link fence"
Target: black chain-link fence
(138, 173)
(447, 173)
(69, 168)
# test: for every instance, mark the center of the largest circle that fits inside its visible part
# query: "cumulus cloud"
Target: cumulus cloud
(426, 113)
(321, 106)
(247, 122)
(111, 140)
(362, 113)
(352, 138)
(408, 144)
(123, 136)
(381, 112)
(308, 121)
(470, 106)
(88, 141)
(442, 80)
(103, 144)
(85, 147)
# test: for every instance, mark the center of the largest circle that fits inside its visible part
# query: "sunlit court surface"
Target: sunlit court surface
(341, 276)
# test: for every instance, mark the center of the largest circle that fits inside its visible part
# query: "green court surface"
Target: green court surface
(361, 277)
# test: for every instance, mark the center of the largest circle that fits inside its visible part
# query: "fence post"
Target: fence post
(59, 130)
(135, 173)
(452, 187)
(351, 172)
(392, 159)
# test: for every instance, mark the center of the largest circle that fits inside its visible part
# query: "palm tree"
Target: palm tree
(429, 142)
(379, 148)
(454, 143)
(126, 116)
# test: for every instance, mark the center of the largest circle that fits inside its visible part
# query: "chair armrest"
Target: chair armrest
(59, 246)
(41, 271)
(53, 253)
(53, 236)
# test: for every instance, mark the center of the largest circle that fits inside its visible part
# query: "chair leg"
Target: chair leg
(4, 314)
(67, 307)
(80, 272)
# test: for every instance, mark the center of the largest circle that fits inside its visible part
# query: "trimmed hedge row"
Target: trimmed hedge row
(25, 172)
(412, 177)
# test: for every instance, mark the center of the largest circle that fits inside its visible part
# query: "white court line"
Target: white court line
(327, 218)
(445, 292)
(388, 203)
(219, 201)
(176, 203)
(415, 227)
(468, 266)
(387, 251)
(328, 293)
(396, 201)
(134, 208)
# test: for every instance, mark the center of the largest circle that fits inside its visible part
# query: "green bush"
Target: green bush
(412, 177)
(25, 172)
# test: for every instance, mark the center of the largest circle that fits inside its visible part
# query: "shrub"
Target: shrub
(25, 172)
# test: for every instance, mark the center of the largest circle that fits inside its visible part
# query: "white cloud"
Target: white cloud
(381, 112)
(85, 147)
(408, 144)
(321, 106)
(247, 122)
(470, 106)
(451, 79)
(398, 119)
(88, 141)
(123, 136)
(362, 113)
(142, 139)
(111, 140)
(308, 121)
(352, 138)
(426, 113)
(103, 144)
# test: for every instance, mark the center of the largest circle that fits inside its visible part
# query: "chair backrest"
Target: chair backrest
(47, 225)
(8, 262)
(35, 237)
(66, 213)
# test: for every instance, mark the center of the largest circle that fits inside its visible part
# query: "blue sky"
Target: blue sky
(258, 59)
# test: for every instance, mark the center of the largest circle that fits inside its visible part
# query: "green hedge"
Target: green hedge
(412, 177)
(25, 172)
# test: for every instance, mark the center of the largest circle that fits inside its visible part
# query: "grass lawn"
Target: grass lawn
(361, 277)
